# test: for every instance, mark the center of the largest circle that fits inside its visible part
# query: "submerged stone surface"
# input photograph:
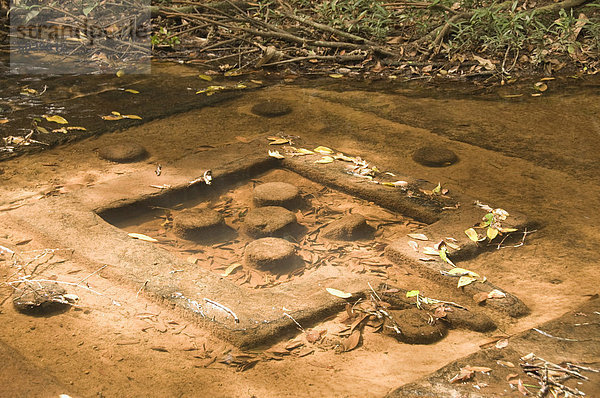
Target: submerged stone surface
(271, 108)
(269, 254)
(197, 223)
(416, 327)
(276, 194)
(435, 156)
(123, 152)
(269, 221)
(350, 227)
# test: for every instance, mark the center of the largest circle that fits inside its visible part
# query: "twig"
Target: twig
(296, 322)
(336, 58)
(223, 308)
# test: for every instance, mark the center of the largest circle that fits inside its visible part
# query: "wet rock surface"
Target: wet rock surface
(269, 221)
(350, 227)
(40, 298)
(276, 194)
(271, 108)
(123, 152)
(194, 224)
(435, 156)
(416, 327)
(269, 254)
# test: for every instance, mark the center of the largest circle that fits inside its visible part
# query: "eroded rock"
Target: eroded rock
(123, 152)
(434, 156)
(276, 194)
(269, 221)
(349, 227)
(271, 108)
(195, 224)
(416, 326)
(269, 254)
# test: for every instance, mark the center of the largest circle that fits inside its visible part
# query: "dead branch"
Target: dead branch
(335, 58)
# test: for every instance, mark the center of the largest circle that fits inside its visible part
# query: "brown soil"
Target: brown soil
(110, 344)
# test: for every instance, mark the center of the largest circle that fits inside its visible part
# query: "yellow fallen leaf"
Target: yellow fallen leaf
(76, 128)
(278, 141)
(141, 237)
(541, 86)
(231, 269)
(323, 150)
(115, 113)
(112, 117)
(304, 151)
(412, 293)
(324, 160)
(472, 234)
(28, 91)
(462, 272)
(418, 236)
(336, 75)
(132, 91)
(232, 73)
(491, 233)
(120, 73)
(506, 230)
(2, 121)
(431, 251)
(496, 294)
(465, 280)
(341, 156)
(60, 130)
(205, 77)
(55, 119)
(256, 81)
(132, 117)
(338, 293)
(276, 154)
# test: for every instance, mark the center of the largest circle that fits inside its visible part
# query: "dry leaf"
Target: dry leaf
(418, 236)
(414, 245)
(491, 233)
(323, 150)
(338, 293)
(463, 272)
(55, 119)
(472, 234)
(496, 294)
(2, 121)
(231, 269)
(278, 140)
(522, 388)
(132, 117)
(305, 351)
(142, 237)
(112, 117)
(325, 160)
(205, 77)
(336, 75)
(132, 91)
(478, 368)
(506, 363)
(276, 154)
(304, 151)
(501, 343)
(464, 375)
(465, 280)
(341, 156)
(351, 342)
(313, 335)
(511, 375)
(431, 251)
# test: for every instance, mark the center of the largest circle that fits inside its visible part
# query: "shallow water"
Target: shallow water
(536, 155)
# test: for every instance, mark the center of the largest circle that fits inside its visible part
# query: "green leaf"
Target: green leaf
(437, 190)
(412, 293)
